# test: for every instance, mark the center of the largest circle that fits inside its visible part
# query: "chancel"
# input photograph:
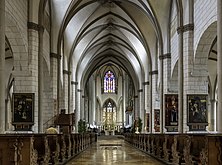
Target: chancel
(110, 82)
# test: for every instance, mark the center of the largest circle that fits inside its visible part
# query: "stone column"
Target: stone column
(77, 110)
(219, 64)
(212, 115)
(2, 66)
(40, 81)
(81, 103)
(150, 103)
(180, 79)
(94, 100)
(72, 97)
(146, 102)
(86, 109)
(154, 100)
(161, 93)
(69, 93)
(136, 107)
(124, 116)
(53, 73)
(142, 107)
(58, 83)
(65, 94)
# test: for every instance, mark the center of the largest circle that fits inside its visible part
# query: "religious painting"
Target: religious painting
(171, 110)
(147, 122)
(197, 108)
(23, 108)
(157, 120)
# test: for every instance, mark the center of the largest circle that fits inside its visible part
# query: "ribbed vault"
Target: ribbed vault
(94, 32)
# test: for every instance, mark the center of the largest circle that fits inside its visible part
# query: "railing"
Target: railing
(47, 149)
(189, 149)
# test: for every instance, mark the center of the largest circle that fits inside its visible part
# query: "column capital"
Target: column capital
(74, 82)
(146, 83)
(153, 72)
(67, 72)
(35, 26)
(165, 56)
(140, 90)
(54, 55)
(185, 28)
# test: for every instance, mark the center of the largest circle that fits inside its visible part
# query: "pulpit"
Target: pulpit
(65, 122)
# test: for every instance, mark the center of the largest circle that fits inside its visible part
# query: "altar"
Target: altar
(109, 132)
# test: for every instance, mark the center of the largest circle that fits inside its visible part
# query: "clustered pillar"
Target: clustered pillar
(219, 64)
(2, 66)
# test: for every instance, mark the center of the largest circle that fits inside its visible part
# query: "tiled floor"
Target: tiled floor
(112, 151)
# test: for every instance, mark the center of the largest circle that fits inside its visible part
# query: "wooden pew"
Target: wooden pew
(54, 148)
(76, 149)
(212, 152)
(33, 149)
(189, 149)
(146, 143)
(40, 146)
(72, 141)
(154, 141)
(194, 144)
(24, 148)
(167, 151)
(11, 149)
(68, 145)
(62, 147)
(160, 142)
(177, 148)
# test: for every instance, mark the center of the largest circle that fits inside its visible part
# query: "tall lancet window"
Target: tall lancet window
(109, 82)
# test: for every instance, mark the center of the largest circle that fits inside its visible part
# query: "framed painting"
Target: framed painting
(147, 122)
(197, 108)
(23, 108)
(171, 110)
(157, 120)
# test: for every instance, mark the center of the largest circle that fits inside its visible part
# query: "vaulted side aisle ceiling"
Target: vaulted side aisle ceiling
(91, 33)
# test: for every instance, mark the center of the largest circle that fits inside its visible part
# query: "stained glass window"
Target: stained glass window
(109, 82)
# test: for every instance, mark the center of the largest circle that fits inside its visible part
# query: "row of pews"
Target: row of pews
(42, 149)
(188, 149)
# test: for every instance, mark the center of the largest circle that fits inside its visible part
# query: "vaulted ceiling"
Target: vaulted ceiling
(91, 33)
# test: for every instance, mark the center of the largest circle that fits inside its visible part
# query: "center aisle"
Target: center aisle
(112, 150)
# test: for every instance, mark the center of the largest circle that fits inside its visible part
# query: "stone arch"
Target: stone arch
(119, 101)
(201, 71)
(47, 90)
(9, 66)
(174, 23)
(174, 79)
(98, 110)
(120, 109)
(17, 42)
(110, 98)
(202, 51)
(99, 101)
